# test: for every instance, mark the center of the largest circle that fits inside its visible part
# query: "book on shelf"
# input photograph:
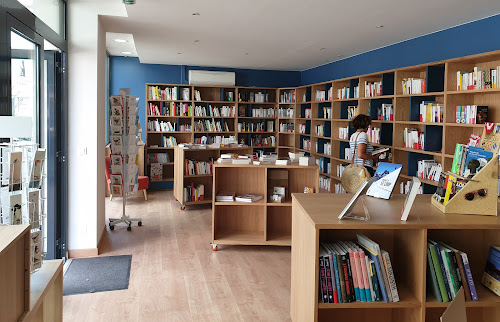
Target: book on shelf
(156, 172)
(352, 112)
(373, 134)
(471, 114)
(287, 97)
(343, 93)
(168, 93)
(339, 188)
(414, 86)
(169, 142)
(225, 196)
(197, 95)
(287, 127)
(478, 78)
(259, 140)
(282, 161)
(387, 174)
(286, 113)
(385, 112)
(325, 183)
(319, 130)
(307, 113)
(210, 126)
(170, 109)
(449, 271)
(324, 165)
(158, 158)
(320, 95)
(263, 112)
(491, 275)
(248, 198)
(373, 89)
(413, 189)
(431, 111)
(306, 144)
(214, 111)
(242, 161)
(261, 126)
(252, 97)
(192, 193)
(327, 112)
(344, 133)
(195, 167)
(469, 160)
(327, 148)
(413, 139)
(429, 169)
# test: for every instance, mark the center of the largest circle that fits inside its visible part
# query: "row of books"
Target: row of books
(263, 112)
(258, 140)
(287, 97)
(302, 128)
(192, 193)
(347, 153)
(339, 188)
(195, 167)
(307, 113)
(325, 183)
(168, 93)
(210, 126)
(491, 277)
(327, 112)
(327, 148)
(449, 270)
(319, 130)
(322, 95)
(385, 112)
(340, 169)
(352, 112)
(168, 142)
(373, 89)
(429, 169)
(287, 127)
(344, 133)
(217, 139)
(405, 187)
(344, 93)
(468, 160)
(223, 111)
(414, 86)
(431, 112)
(413, 139)
(158, 158)
(471, 114)
(373, 134)
(262, 126)
(170, 109)
(306, 144)
(324, 165)
(479, 78)
(228, 196)
(162, 126)
(253, 97)
(286, 113)
(356, 271)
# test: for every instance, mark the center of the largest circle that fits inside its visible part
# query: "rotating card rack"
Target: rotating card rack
(22, 196)
(124, 152)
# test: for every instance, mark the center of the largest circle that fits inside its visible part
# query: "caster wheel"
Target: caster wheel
(129, 228)
(214, 247)
(139, 223)
(183, 207)
(111, 227)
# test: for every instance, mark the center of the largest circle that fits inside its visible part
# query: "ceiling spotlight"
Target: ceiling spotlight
(179, 53)
(126, 53)
(380, 26)
(196, 41)
(246, 53)
(196, 14)
(323, 48)
(120, 40)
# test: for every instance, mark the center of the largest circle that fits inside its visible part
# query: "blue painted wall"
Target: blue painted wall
(468, 39)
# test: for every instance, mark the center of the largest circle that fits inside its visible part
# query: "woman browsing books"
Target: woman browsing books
(360, 147)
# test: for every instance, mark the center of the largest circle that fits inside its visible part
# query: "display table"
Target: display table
(314, 220)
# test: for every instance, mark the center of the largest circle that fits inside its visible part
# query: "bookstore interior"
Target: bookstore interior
(201, 174)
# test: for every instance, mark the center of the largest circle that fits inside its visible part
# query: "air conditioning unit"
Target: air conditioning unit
(206, 77)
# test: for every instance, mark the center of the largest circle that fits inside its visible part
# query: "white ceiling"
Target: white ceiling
(282, 34)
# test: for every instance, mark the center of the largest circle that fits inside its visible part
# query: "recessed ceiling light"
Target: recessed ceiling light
(196, 14)
(380, 26)
(246, 53)
(126, 53)
(120, 40)
(196, 41)
(179, 53)
(322, 48)
(339, 55)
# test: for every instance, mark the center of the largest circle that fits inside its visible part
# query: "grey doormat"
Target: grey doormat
(97, 274)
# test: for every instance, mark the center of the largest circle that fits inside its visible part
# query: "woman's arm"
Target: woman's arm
(361, 153)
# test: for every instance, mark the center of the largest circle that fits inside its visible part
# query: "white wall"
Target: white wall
(86, 107)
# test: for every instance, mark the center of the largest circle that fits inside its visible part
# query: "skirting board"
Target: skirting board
(88, 252)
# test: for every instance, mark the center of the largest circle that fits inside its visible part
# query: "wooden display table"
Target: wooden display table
(262, 222)
(315, 220)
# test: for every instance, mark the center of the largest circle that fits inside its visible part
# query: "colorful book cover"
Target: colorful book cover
(491, 276)
(16, 215)
(36, 170)
(468, 275)
(156, 172)
(15, 175)
(456, 158)
(435, 252)
(379, 271)
(387, 175)
(477, 158)
(433, 279)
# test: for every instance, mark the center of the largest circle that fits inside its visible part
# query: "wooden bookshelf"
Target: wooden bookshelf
(315, 220)
(181, 180)
(262, 222)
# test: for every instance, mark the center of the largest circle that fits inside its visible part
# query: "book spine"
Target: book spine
(455, 270)
(491, 283)
(462, 276)
(349, 289)
(353, 263)
(371, 297)
(390, 277)
(329, 284)
(439, 274)
(337, 293)
(385, 279)
(364, 276)
(468, 275)
(322, 280)
(448, 274)
(431, 271)
(376, 285)
(340, 270)
(443, 271)
(378, 270)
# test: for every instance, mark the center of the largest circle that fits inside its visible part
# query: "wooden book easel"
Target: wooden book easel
(486, 178)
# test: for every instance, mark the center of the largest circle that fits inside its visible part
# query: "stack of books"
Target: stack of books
(243, 159)
(282, 161)
(226, 158)
(248, 198)
(479, 78)
(449, 270)
(414, 86)
(471, 114)
(356, 271)
(224, 196)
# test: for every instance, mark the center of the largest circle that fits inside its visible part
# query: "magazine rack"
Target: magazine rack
(486, 178)
(127, 149)
(22, 200)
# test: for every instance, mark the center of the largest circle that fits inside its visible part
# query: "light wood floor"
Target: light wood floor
(176, 277)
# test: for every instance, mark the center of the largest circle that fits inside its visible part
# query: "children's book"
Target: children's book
(491, 276)
(476, 159)
(387, 175)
